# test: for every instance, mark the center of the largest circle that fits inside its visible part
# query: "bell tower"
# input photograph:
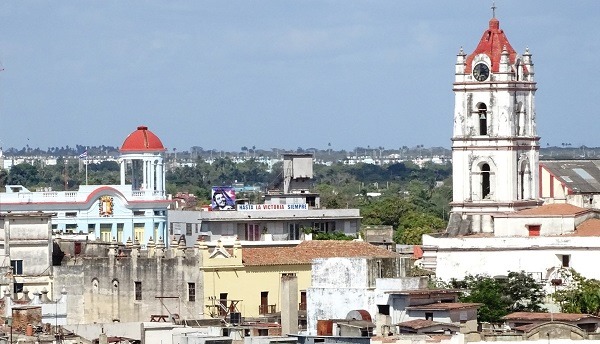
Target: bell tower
(495, 147)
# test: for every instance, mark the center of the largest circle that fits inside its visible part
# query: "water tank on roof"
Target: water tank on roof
(358, 314)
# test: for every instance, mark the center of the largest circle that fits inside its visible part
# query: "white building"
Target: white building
(284, 218)
(495, 146)
(136, 208)
(497, 224)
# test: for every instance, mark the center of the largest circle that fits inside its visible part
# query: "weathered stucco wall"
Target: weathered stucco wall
(341, 285)
(103, 289)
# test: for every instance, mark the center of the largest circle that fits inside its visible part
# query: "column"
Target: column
(123, 164)
(145, 173)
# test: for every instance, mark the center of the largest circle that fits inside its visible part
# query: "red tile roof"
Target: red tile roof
(431, 292)
(566, 317)
(418, 324)
(561, 209)
(492, 43)
(306, 251)
(444, 306)
(589, 227)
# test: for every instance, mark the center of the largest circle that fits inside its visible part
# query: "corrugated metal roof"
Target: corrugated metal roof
(582, 176)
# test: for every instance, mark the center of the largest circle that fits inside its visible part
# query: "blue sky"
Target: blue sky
(278, 74)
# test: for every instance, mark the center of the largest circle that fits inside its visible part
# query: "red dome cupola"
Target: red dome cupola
(142, 140)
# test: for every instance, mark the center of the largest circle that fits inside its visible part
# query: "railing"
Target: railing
(267, 309)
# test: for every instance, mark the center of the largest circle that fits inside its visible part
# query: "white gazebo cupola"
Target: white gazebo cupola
(495, 147)
(142, 162)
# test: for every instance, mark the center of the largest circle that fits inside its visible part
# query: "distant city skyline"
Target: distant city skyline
(227, 74)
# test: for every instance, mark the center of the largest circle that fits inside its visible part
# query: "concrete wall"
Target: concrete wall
(102, 289)
(229, 225)
(341, 285)
(26, 237)
(541, 256)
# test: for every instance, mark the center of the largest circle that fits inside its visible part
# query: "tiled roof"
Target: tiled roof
(531, 316)
(589, 227)
(444, 306)
(418, 324)
(425, 292)
(306, 251)
(492, 43)
(553, 209)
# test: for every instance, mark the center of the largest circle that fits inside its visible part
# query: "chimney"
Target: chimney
(289, 303)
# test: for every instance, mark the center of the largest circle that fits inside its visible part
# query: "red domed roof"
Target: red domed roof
(142, 140)
(491, 44)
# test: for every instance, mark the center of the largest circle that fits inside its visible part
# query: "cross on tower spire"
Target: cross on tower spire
(494, 9)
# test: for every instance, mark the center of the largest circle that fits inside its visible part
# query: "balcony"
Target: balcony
(267, 309)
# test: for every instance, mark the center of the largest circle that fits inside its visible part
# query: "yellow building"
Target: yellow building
(247, 281)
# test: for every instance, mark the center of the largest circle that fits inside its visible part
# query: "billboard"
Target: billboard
(223, 198)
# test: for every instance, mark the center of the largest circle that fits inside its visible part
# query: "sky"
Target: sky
(278, 74)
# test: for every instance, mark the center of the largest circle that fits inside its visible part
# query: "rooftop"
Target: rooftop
(306, 251)
(566, 317)
(444, 306)
(554, 209)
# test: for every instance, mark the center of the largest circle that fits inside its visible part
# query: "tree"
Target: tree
(518, 292)
(581, 296)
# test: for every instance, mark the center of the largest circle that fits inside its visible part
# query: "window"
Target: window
(324, 227)
(18, 288)
(482, 113)
(71, 214)
(252, 232)
(192, 292)
(120, 227)
(383, 309)
(54, 227)
(429, 316)
(263, 331)
(485, 181)
(106, 232)
(534, 230)
(139, 213)
(138, 291)
(17, 267)
(71, 227)
(138, 232)
(294, 231)
(91, 227)
(188, 229)
(565, 260)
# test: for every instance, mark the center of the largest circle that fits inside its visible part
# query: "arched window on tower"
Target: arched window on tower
(485, 181)
(483, 123)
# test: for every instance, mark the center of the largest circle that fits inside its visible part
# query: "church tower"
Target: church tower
(495, 147)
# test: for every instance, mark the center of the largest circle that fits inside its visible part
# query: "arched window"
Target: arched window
(483, 123)
(95, 285)
(485, 181)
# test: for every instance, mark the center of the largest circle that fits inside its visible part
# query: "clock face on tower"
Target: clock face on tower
(481, 72)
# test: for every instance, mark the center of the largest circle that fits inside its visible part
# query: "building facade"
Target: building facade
(495, 146)
(288, 214)
(135, 209)
(26, 245)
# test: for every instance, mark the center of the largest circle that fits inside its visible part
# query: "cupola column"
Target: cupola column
(123, 165)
